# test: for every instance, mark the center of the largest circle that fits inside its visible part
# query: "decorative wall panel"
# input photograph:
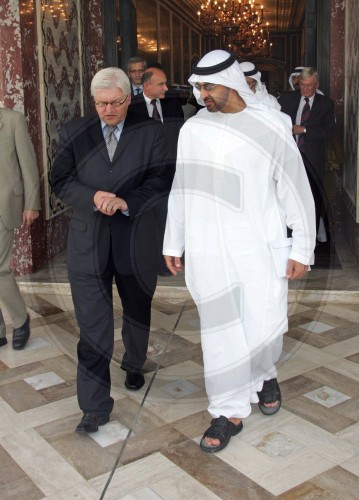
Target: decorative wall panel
(351, 165)
(61, 66)
(35, 244)
(93, 52)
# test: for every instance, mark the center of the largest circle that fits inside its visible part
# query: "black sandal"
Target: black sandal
(222, 429)
(270, 394)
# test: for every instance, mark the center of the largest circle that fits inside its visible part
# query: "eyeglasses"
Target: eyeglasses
(113, 104)
(137, 71)
(205, 86)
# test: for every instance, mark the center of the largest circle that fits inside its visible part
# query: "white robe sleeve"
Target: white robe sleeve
(295, 197)
(274, 102)
(174, 239)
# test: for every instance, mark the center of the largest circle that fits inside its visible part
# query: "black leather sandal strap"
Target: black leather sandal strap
(270, 392)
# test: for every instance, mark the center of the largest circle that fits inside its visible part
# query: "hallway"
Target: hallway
(149, 450)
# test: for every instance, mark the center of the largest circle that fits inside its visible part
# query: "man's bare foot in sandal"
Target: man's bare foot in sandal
(218, 435)
(270, 398)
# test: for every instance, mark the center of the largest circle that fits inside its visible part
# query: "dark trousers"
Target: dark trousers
(92, 297)
(317, 186)
(160, 213)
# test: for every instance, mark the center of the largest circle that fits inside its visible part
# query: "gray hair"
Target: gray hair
(308, 72)
(108, 78)
(135, 60)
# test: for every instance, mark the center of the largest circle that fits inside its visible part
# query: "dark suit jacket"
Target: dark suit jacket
(320, 126)
(139, 173)
(172, 113)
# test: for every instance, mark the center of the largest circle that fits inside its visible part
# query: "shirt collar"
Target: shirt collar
(148, 99)
(311, 99)
(118, 127)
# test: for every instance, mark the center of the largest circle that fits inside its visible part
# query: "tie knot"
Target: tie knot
(306, 99)
(110, 129)
(153, 102)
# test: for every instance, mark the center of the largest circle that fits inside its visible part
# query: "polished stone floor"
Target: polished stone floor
(149, 450)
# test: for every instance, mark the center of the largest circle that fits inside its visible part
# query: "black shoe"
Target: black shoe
(3, 341)
(164, 272)
(134, 381)
(91, 421)
(21, 335)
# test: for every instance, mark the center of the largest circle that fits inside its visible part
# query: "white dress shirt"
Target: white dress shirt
(301, 106)
(150, 107)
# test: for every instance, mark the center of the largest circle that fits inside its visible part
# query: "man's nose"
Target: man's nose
(203, 93)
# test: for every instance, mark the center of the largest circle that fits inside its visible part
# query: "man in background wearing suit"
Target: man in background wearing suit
(136, 66)
(19, 204)
(313, 121)
(111, 168)
(156, 102)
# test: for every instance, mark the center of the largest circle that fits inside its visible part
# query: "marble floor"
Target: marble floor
(149, 449)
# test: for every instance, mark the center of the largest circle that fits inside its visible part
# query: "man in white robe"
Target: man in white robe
(294, 78)
(239, 183)
(253, 79)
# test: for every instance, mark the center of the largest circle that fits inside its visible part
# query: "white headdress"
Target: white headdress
(261, 92)
(250, 70)
(296, 72)
(220, 67)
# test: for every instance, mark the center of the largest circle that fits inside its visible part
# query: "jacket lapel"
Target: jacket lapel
(296, 106)
(315, 109)
(96, 135)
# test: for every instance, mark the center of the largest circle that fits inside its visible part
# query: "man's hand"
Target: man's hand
(297, 129)
(109, 203)
(174, 264)
(296, 270)
(29, 216)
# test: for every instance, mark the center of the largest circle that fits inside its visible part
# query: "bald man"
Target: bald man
(156, 102)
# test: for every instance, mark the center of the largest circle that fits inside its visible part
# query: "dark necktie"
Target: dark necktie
(111, 141)
(138, 91)
(155, 114)
(303, 122)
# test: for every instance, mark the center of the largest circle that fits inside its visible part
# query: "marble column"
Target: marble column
(18, 91)
(20, 84)
(346, 83)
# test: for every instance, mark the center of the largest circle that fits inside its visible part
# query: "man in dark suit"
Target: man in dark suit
(136, 66)
(156, 102)
(167, 109)
(313, 121)
(111, 168)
